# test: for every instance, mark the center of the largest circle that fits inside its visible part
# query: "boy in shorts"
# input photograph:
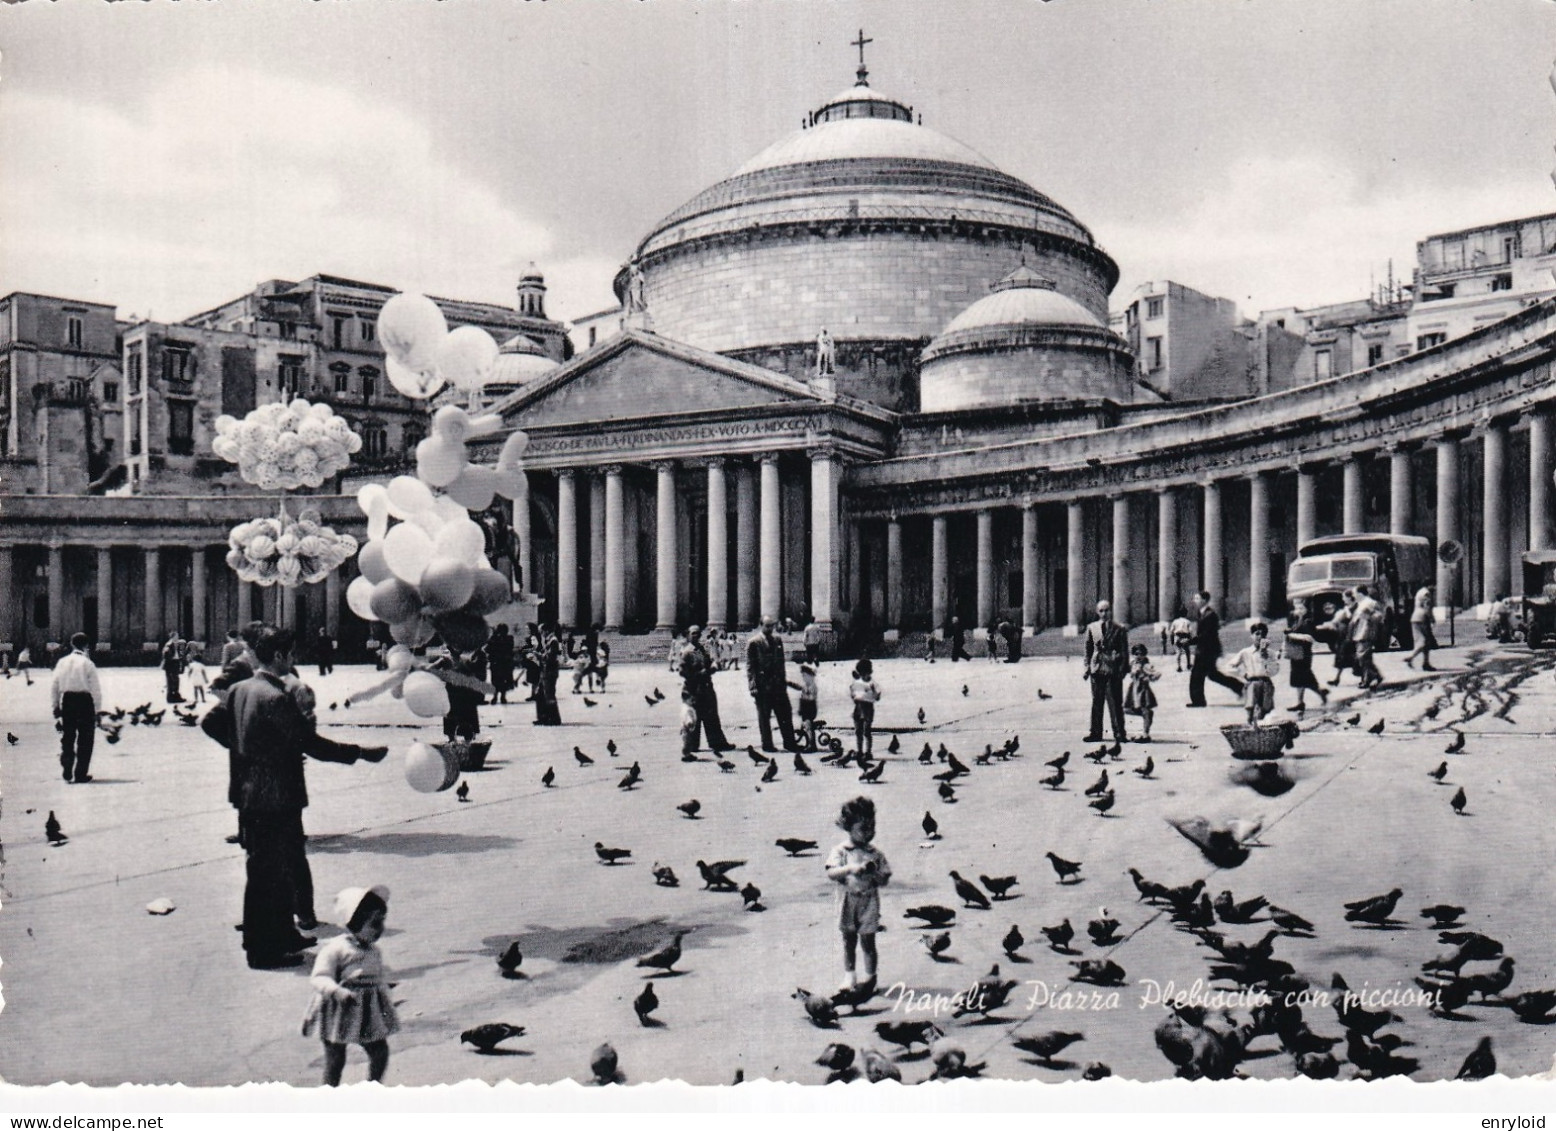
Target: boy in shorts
(862, 870)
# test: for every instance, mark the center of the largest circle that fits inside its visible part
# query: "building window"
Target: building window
(176, 367)
(338, 330)
(289, 378)
(110, 392)
(368, 328)
(1153, 308)
(1374, 354)
(1153, 348)
(413, 434)
(73, 331)
(342, 382)
(369, 378)
(375, 440)
(133, 369)
(288, 331)
(593, 333)
(1427, 341)
(1502, 282)
(180, 427)
(1323, 365)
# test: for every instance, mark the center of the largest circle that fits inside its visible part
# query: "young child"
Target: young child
(1182, 632)
(602, 664)
(351, 1003)
(1139, 699)
(580, 671)
(807, 688)
(1257, 667)
(24, 664)
(199, 680)
(929, 648)
(862, 870)
(865, 693)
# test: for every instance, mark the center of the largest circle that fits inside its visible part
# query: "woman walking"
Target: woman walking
(1298, 651)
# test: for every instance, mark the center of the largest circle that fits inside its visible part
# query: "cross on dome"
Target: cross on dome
(860, 43)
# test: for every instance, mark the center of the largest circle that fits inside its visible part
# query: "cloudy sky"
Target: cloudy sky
(166, 157)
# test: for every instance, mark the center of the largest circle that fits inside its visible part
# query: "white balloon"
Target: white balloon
(427, 770)
(430, 520)
(512, 450)
(462, 540)
(426, 695)
(418, 384)
(474, 488)
(378, 520)
(466, 357)
(411, 328)
(408, 495)
(439, 461)
(407, 550)
(452, 423)
(399, 658)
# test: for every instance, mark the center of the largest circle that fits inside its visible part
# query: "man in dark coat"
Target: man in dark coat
(1107, 658)
(769, 688)
(1207, 650)
(1012, 636)
(696, 668)
(958, 637)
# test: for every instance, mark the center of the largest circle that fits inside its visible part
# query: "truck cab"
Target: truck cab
(1391, 566)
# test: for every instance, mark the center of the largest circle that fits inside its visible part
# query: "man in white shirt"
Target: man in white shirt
(77, 694)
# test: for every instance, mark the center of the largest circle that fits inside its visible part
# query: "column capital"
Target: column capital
(663, 465)
(54, 546)
(1165, 490)
(768, 457)
(609, 469)
(1256, 475)
(819, 452)
(1451, 436)
(1490, 423)
(566, 472)
(1403, 447)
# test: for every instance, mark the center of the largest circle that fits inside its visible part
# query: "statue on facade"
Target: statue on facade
(637, 302)
(826, 354)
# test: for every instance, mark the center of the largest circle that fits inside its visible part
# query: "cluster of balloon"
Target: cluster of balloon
(286, 446)
(287, 551)
(422, 354)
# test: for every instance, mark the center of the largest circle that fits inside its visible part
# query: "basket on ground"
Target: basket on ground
(1261, 742)
(468, 756)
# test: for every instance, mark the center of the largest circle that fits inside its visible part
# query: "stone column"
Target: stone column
(718, 545)
(596, 549)
(615, 549)
(521, 530)
(985, 569)
(197, 589)
(1075, 566)
(1401, 491)
(331, 603)
(746, 557)
(1448, 502)
(939, 575)
(1168, 579)
(1540, 467)
(893, 578)
(1258, 545)
(566, 548)
(7, 589)
(57, 594)
(153, 593)
(104, 596)
(1121, 609)
(823, 537)
(245, 601)
(1354, 510)
(771, 552)
(1214, 563)
(1494, 567)
(665, 548)
(1307, 504)
(1029, 569)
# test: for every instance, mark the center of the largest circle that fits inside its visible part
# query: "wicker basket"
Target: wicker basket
(471, 756)
(1258, 742)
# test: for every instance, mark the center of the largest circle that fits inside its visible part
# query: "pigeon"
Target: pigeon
(1439, 773)
(757, 759)
(487, 1037)
(1102, 804)
(113, 734)
(969, 893)
(931, 826)
(947, 792)
(1097, 756)
(1054, 780)
(1473, 947)
(1459, 801)
(1456, 745)
(603, 1063)
(1196, 915)
(690, 808)
(1147, 769)
(1060, 762)
(1289, 921)
(1103, 931)
(715, 876)
(1447, 997)
(510, 960)
(1480, 1064)
(950, 1062)
(752, 897)
(548, 779)
(1046, 1046)
(1013, 941)
(771, 773)
(1493, 983)
(610, 744)
(998, 886)
(463, 792)
(52, 831)
(822, 1013)
(1098, 787)
(610, 855)
(1149, 890)
(650, 700)
(1354, 720)
(1063, 868)
(1217, 844)
(1184, 896)
(659, 696)
(1376, 728)
(873, 775)
(1443, 914)
(665, 876)
(926, 756)
(937, 945)
(1230, 910)
(801, 766)
(956, 765)
(921, 716)
(645, 1004)
(589, 702)
(906, 1034)
(1059, 937)
(1096, 1070)
(1533, 1006)
(725, 766)
(793, 845)
(582, 758)
(665, 957)
(990, 993)
(1375, 910)
(838, 1060)
(1351, 1015)
(1098, 972)
(1043, 695)
(633, 777)
(1374, 1061)
(878, 1068)
(932, 914)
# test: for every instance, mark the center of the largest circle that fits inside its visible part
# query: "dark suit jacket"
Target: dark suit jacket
(1110, 644)
(765, 665)
(1207, 637)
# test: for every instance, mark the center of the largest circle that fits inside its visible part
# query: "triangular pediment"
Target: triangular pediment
(641, 375)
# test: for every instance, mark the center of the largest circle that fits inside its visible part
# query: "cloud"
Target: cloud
(225, 177)
(1300, 231)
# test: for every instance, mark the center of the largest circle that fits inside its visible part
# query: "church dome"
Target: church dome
(520, 361)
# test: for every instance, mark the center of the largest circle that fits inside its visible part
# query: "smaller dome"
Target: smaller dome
(522, 343)
(520, 361)
(1023, 298)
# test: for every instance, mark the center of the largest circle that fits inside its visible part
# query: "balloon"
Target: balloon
(508, 481)
(367, 493)
(512, 450)
(483, 425)
(412, 330)
(399, 658)
(448, 510)
(426, 695)
(371, 563)
(447, 584)
(394, 601)
(439, 461)
(430, 520)
(465, 358)
(463, 539)
(474, 488)
(428, 769)
(359, 598)
(407, 495)
(414, 632)
(378, 520)
(407, 549)
(452, 423)
(417, 384)
(463, 629)
(490, 591)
